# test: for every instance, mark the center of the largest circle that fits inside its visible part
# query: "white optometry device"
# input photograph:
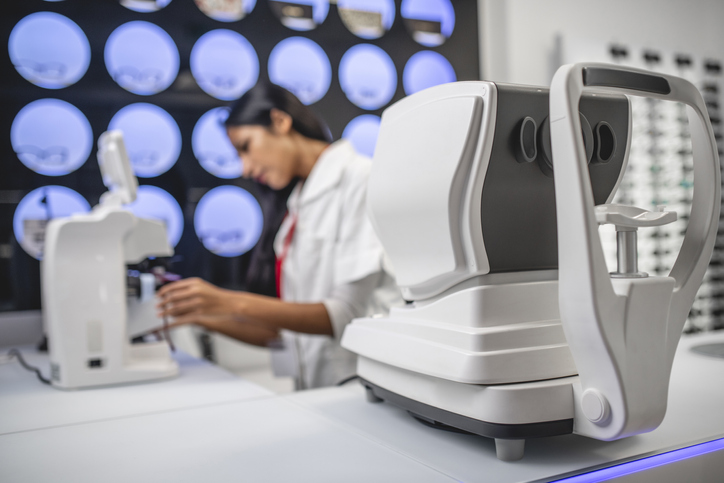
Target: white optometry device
(514, 328)
(84, 279)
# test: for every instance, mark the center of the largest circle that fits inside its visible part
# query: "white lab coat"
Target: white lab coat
(335, 258)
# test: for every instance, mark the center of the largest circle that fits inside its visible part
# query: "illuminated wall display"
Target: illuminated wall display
(49, 50)
(430, 22)
(36, 208)
(212, 147)
(362, 133)
(51, 137)
(142, 58)
(144, 6)
(163, 72)
(156, 204)
(426, 69)
(228, 221)
(152, 138)
(227, 10)
(367, 76)
(300, 14)
(367, 19)
(301, 66)
(224, 64)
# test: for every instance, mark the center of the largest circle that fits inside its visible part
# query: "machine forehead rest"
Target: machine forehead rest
(638, 81)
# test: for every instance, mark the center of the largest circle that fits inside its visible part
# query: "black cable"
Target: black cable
(16, 353)
(346, 380)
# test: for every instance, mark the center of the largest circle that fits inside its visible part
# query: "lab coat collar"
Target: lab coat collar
(327, 171)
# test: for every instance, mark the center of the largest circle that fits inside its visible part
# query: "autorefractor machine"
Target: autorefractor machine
(487, 198)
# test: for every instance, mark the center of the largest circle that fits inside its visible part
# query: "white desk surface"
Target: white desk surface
(27, 404)
(259, 440)
(330, 435)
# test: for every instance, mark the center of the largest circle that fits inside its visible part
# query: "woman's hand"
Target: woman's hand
(193, 296)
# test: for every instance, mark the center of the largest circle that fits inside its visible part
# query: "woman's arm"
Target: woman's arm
(309, 318)
(192, 300)
(234, 327)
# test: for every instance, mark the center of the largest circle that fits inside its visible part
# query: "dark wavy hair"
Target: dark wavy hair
(254, 108)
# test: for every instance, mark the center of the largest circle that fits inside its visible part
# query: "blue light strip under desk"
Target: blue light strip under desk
(605, 474)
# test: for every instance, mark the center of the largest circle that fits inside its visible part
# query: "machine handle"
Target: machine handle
(623, 341)
(566, 89)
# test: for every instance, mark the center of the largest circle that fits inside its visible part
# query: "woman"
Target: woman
(330, 265)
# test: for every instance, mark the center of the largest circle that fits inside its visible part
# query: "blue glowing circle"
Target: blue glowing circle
(152, 137)
(367, 76)
(145, 6)
(51, 137)
(362, 133)
(227, 11)
(301, 66)
(224, 64)
(49, 50)
(228, 221)
(430, 22)
(301, 15)
(36, 208)
(156, 204)
(368, 19)
(212, 147)
(426, 69)
(142, 58)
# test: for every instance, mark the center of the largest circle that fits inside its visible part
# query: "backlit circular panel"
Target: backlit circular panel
(51, 137)
(49, 50)
(224, 64)
(430, 22)
(142, 58)
(228, 221)
(362, 133)
(426, 69)
(212, 147)
(37, 208)
(300, 65)
(144, 6)
(152, 138)
(156, 204)
(300, 14)
(367, 76)
(368, 19)
(226, 10)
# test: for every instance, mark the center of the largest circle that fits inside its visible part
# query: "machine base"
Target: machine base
(509, 438)
(122, 363)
